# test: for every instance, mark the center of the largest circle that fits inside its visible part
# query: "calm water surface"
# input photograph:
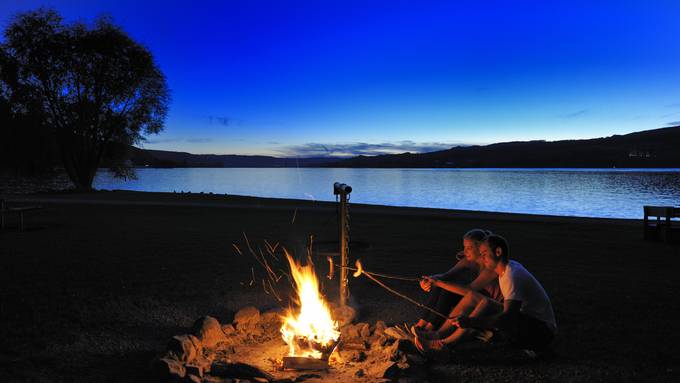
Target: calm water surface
(619, 193)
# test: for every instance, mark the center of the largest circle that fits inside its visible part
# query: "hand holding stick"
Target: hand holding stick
(462, 321)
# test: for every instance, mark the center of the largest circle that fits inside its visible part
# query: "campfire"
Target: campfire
(309, 332)
(251, 347)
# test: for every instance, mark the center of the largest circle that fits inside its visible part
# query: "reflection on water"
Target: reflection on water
(572, 192)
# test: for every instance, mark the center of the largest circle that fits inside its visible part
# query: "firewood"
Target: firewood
(304, 363)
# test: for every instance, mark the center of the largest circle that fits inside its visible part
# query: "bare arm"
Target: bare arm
(485, 277)
(450, 286)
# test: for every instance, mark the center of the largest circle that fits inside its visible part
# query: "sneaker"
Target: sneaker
(425, 345)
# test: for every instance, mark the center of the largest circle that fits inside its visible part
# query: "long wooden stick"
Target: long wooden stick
(384, 286)
(388, 276)
(372, 276)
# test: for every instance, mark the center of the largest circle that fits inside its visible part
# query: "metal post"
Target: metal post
(343, 191)
(344, 288)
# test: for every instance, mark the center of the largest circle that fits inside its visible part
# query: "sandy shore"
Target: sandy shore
(98, 283)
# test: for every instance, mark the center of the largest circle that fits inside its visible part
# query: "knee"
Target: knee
(472, 297)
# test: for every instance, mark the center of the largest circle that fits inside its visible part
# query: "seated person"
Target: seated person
(446, 290)
(526, 316)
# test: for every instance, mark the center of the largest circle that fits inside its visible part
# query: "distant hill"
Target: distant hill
(647, 149)
(168, 159)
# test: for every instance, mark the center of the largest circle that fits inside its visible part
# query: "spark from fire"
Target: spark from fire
(312, 329)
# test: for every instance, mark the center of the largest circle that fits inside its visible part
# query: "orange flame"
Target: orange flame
(312, 326)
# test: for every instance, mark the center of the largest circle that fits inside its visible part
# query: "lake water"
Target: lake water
(618, 193)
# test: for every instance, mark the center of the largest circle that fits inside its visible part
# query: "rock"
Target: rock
(237, 370)
(379, 328)
(209, 331)
(197, 344)
(364, 330)
(392, 351)
(192, 379)
(353, 355)
(247, 318)
(344, 315)
(350, 334)
(272, 318)
(185, 347)
(203, 362)
(168, 369)
(194, 369)
(228, 329)
(377, 342)
(256, 331)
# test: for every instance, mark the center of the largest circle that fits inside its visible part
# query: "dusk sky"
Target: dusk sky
(314, 78)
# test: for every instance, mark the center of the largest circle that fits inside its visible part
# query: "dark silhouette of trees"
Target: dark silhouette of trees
(90, 90)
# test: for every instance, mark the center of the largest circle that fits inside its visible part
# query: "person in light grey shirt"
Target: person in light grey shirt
(526, 317)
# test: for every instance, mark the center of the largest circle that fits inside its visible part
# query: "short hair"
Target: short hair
(495, 241)
(477, 235)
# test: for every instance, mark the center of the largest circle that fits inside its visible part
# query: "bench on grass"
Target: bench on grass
(665, 227)
(18, 211)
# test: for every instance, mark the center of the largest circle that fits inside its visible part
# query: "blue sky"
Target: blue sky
(339, 78)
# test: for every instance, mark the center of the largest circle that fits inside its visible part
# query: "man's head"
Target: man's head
(494, 250)
(471, 241)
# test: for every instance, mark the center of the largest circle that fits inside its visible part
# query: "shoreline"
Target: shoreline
(213, 200)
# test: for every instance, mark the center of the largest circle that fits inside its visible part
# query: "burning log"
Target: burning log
(304, 363)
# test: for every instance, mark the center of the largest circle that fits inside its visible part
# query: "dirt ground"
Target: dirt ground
(96, 285)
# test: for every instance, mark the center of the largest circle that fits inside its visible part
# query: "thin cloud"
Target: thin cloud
(162, 141)
(314, 149)
(224, 121)
(576, 114)
(673, 123)
(194, 140)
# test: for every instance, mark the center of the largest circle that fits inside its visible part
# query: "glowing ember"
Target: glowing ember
(312, 332)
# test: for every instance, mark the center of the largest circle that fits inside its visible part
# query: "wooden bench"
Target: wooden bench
(664, 227)
(20, 210)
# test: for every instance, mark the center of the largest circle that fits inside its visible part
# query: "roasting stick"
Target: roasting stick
(388, 276)
(359, 270)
